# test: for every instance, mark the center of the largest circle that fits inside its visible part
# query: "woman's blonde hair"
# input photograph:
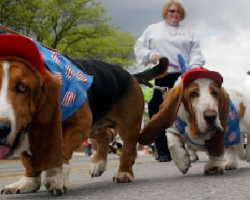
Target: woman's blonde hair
(166, 7)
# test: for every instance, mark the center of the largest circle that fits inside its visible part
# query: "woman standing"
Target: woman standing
(168, 38)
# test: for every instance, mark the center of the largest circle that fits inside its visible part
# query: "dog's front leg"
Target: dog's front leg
(214, 166)
(247, 154)
(192, 152)
(31, 182)
(179, 155)
(24, 185)
(56, 180)
(99, 160)
(231, 161)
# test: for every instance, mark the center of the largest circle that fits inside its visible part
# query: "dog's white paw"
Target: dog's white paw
(24, 185)
(96, 169)
(194, 158)
(123, 177)
(210, 169)
(56, 180)
(229, 165)
(183, 164)
(181, 159)
(192, 152)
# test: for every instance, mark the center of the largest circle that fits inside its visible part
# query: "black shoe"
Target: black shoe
(164, 158)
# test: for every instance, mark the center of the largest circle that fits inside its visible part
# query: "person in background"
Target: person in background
(93, 146)
(87, 147)
(168, 38)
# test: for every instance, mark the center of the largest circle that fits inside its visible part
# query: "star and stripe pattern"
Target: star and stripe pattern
(181, 125)
(56, 57)
(232, 131)
(74, 82)
(59, 76)
(232, 128)
(69, 72)
(69, 99)
(232, 137)
(81, 77)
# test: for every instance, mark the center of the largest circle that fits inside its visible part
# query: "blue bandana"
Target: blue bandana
(74, 83)
(232, 132)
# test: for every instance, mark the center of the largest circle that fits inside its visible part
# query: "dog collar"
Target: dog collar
(232, 132)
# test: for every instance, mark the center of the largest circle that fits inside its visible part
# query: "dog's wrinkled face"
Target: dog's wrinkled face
(201, 99)
(20, 87)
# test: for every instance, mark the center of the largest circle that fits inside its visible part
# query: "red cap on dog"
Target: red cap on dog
(201, 72)
(22, 47)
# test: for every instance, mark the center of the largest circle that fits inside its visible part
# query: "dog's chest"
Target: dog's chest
(232, 130)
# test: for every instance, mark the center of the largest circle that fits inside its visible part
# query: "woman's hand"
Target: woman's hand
(155, 58)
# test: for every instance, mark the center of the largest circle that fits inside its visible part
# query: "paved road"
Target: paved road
(153, 180)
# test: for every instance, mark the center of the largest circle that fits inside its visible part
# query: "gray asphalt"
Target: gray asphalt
(153, 180)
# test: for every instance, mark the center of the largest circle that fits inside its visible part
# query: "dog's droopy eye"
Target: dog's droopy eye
(194, 94)
(22, 88)
(215, 92)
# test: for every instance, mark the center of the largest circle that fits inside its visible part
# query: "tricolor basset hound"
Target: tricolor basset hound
(196, 112)
(31, 121)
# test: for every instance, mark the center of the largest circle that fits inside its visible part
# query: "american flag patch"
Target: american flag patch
(177, 123)
(80, 77)
(232, 137)
(73, 92)
(69, 99)
(69, 71)
(55, 56)
(59, 76)
(232, 115)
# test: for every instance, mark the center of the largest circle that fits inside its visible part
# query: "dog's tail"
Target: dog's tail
(158, 71)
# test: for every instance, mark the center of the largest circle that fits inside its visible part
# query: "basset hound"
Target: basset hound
(197, 111)
(32, 120)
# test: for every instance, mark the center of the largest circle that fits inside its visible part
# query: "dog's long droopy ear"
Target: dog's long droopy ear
(215, 145)
(164, 118)
(45, 129)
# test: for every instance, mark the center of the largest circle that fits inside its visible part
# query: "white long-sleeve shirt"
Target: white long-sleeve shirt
(169, 41)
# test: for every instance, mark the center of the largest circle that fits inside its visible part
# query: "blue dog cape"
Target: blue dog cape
(74, 82)
(232, 132)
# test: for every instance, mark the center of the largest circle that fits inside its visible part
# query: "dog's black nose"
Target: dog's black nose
(5, 129)
(210, 116)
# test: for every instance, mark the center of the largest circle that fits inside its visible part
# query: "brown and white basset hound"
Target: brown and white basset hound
(198, 101)
(31, 122)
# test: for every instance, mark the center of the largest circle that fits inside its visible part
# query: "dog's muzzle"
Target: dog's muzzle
(6, 149)
(5, 128)
(210, 117)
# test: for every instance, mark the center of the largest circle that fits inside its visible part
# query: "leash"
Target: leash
(150, 85)
(166, 89)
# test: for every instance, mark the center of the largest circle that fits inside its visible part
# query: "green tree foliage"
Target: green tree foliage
(115, 48)
(76, 27)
